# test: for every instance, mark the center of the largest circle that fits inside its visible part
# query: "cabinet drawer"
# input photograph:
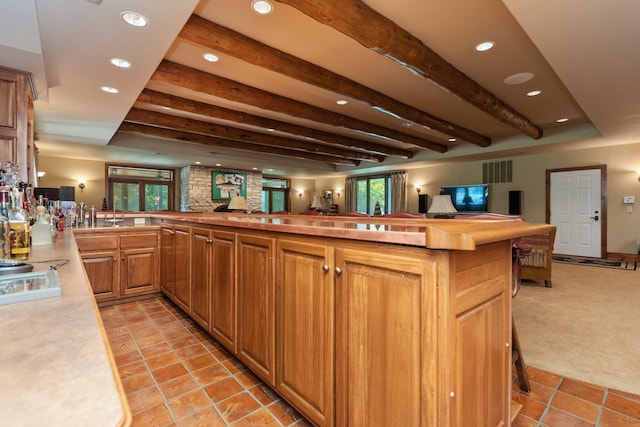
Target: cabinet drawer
(96, 243)
(138, 240)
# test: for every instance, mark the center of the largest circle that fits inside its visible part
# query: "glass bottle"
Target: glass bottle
(5, 230)
(19, 222)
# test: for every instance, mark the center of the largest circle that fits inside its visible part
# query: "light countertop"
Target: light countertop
(56, 368)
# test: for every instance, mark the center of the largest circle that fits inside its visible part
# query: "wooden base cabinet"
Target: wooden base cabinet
(305, 328)
(118, 264)
(222, 325)
(255, 260)
(175, 260)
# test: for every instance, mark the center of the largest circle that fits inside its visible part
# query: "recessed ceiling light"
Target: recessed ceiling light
(119, 62)
(342, 102)
(562, 120)
(407, 124)
(211, 57)
(255, 169)
(484, 46)
(218, 164)
(534, 93)
(198, 163)
(452, 140)
(134, 18)
(516, 79)
(271, 130)
(109, 89)
(262, 7)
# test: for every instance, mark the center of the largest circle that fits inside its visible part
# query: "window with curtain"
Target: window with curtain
(139, 189)
(388, 190)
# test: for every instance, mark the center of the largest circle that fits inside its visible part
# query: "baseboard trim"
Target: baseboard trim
(619, 256)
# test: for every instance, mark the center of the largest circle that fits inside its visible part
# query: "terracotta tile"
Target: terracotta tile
(233, 365)
(625, 394)
(609, 418)
(183, 342)
(137, 382)
(248, 378)
(522, 421)
(581, 408)
(177, 386)
(150, 340)
(556, 418)
(162, 360)
(116, 331)
(261, 418)
(123, 344)
(538, 392)
(264, 394)
(169, 372)
(585, 391)
(191, 351)
(543, 377)
(156, 350)
(131, 369)
(199, 362)
(238, 406)
(206, 418)
(532, 408)
(127, 358)
(174, 334)
(210, 374)
(144, 399)
(284, 412)
(623, 405)
(223, 389)
(158, 416)
(188, 404)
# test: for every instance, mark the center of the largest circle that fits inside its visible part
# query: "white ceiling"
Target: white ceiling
(584, 54)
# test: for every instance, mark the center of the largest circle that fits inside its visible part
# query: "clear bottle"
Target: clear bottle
(41, 230)
(5, 230)
(20, 225)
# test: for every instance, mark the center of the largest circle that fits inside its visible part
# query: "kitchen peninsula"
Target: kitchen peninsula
(402, 321)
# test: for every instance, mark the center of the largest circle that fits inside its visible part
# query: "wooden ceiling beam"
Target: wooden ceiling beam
(153, 98)
(199, 81)
(378, 33)
(221, 39)
(234, 145)
(188, 125)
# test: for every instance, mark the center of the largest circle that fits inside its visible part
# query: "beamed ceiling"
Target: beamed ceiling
(417, 92)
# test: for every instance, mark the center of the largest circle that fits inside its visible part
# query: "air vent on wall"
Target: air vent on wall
(494, 172)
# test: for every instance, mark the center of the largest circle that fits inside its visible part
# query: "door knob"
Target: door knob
(594, 217)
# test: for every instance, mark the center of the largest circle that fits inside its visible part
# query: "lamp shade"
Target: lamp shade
(237, 203)
(441, 204)
(317, 202)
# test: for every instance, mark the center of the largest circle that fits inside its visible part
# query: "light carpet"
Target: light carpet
(586, 327)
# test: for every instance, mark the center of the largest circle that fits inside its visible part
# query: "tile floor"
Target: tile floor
(174, 374)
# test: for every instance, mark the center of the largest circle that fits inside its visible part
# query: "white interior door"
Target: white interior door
(575, 209)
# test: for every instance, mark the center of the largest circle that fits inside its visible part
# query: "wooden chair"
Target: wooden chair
(404, 214)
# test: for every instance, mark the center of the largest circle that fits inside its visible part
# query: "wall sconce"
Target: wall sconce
(81, 184)
(638, 172)
(418, 189)
(300, 194)
(337, 193)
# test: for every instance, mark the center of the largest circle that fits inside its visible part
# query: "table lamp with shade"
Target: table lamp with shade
(442, 207)
(237, 204)
(317, 203)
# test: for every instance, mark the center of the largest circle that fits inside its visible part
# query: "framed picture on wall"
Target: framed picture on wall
(327, 194)
(225, 185)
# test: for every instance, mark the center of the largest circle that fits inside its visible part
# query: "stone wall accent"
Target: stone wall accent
(195, 189)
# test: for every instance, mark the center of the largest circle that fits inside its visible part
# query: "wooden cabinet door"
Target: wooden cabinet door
(256, 321)
(182, 260)
(102, 271)
(138, 271)
(480, 362)
(386, 323)
(223, 289)
(167, 260)
(305, 328)
(201, 248)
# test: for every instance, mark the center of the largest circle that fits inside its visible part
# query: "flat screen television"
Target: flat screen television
(468, 198)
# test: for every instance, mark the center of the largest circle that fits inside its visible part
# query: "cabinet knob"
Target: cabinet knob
(172, 232)
(115, 259)
(123, 258)
(209, 241)
(325, 268)
(338, 271)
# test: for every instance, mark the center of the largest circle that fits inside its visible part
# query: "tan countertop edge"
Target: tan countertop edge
(56, 366)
